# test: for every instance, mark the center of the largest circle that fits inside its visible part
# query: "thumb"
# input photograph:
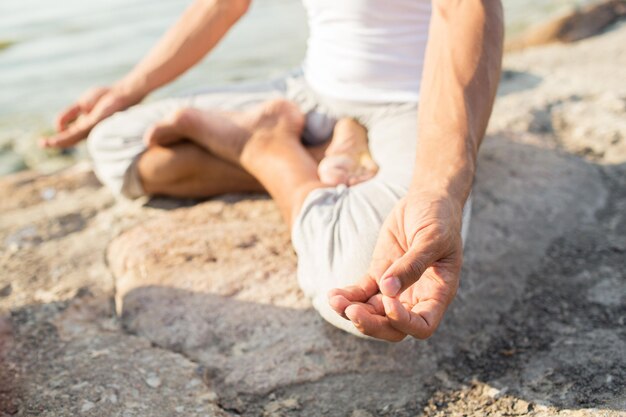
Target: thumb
(406, 270)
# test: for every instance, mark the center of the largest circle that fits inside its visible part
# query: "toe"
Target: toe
(161, 133)
(174, 128)
(335, 169)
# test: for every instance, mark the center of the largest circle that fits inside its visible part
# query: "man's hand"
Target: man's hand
(414, 273)
(75, 122)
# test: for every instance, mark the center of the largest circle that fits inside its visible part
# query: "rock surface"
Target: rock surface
(211, 322)
(578, 24)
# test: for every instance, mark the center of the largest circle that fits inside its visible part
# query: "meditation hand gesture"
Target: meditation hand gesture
(75, 122)
(414, 272)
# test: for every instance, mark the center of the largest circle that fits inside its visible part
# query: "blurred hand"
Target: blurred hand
(75, 122)
(414, 273)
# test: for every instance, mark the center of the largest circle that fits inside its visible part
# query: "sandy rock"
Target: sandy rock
(95, 372)
(537, 82)
(571, 27)
(593, 126)
(183, 285)
(211, 320)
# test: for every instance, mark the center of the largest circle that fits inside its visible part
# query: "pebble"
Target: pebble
(6, 290)
(87, 405)
(193, 383)
(210, 396)
(79, 386)
(492, 392)
(361, 413)
(153, 381)
(25, 236)
(48, 193)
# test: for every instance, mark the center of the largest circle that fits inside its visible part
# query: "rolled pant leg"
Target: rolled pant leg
(115, 143)
(335, 233)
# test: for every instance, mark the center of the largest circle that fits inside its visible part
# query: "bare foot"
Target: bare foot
(277, 121)
(224, 134)
(347, 159)
(207, 128)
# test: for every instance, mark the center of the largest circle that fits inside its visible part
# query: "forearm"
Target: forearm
(197, 31)
(461, 75)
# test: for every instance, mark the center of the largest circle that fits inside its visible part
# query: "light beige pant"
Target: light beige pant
(336, 230)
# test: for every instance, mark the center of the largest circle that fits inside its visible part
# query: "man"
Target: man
(381, 258)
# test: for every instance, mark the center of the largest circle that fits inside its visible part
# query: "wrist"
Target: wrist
(450, 181)
(445, 164)
(129, 92)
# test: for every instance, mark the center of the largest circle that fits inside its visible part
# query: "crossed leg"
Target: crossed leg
(213, 160)
(232, 151)
(187, 170)
(178, 163)
(338, 221)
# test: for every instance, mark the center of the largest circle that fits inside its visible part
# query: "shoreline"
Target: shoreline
(18, 148)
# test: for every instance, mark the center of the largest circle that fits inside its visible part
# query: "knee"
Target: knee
(110, 154)
(151, 163)
(160, 167)
(157, 169)
(317, 274)
(98, 137)
(333, 241)
(334, 251)
(116, 138)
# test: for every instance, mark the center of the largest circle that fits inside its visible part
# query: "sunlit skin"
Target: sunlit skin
(415, 268)
(347, 160)
(344, 160)
(417, 260)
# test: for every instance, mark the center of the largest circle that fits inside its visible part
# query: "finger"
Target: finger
(421, 321)
(352, 293)
(374, 305)
(364, 288)
(406, 270)
(376, 302)
(67, 138)
(340, 298)
(89, 99)
(368, 307)
(67, 116)
(339, 303)
(373, 325)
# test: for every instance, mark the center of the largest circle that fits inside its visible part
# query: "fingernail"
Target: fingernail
(390, 286)
(351, 316)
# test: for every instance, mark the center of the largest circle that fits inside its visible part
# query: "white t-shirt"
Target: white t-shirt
(367, 50)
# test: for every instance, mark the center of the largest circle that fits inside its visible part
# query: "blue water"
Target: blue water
(61, 48)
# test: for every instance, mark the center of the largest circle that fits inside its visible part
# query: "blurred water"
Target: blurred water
(59, 49)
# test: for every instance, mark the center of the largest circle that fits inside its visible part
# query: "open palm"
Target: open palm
(74, 123)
